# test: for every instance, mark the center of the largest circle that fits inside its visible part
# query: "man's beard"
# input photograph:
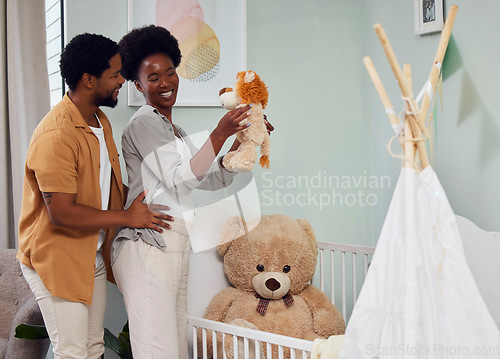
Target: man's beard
(108, 101)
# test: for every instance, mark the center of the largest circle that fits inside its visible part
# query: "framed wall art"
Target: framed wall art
(428, 16)
(212, 39)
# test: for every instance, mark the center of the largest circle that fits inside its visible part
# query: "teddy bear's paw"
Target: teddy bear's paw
(264, 162)
(312, 335)
(327, 323)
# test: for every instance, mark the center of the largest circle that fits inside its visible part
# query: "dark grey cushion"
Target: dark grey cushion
(18, 306)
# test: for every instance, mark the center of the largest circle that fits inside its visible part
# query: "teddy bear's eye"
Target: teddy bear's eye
(286, 269)
(260, 267)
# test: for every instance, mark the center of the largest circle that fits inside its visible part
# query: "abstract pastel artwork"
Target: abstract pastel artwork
(212, 40)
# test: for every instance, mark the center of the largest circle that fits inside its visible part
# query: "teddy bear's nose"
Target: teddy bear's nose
(272, 284)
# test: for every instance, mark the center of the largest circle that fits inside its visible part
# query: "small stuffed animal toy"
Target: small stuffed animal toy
(270, 269)
(249, 90)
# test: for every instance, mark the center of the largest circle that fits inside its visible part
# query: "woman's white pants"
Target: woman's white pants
(153, 282)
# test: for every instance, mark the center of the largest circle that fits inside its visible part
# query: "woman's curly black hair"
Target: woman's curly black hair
(86, 53)
(143, 42)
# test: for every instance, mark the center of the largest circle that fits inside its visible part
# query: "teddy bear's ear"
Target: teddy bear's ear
(233, 228)
(306, 226)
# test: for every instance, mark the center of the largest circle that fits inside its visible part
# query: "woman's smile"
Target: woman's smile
(167, 94)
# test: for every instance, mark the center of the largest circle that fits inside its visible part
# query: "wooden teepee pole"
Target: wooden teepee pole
(438, 60)
(409, 146)
(389, 109)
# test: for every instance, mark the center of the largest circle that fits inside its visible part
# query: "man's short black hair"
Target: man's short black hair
(143, 42)
(86, 53)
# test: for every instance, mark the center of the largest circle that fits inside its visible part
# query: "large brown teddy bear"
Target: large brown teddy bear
(270, 269)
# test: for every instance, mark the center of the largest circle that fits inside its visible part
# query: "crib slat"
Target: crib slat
(332, 276)
(269, 351)
(342, 271)
(195, 342)
(354, 284)
(281, 354)
(204, 341)
(235, 347)
(292, 353)
(321, 274)
(214, 343)
(246, 348)
(257, 349)
(223, 346)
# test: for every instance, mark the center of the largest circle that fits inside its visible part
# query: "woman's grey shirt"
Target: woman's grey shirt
(155, 161)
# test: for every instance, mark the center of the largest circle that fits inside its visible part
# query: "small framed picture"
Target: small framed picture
(428, 16)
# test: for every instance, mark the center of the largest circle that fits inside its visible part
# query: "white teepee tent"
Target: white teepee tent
(419, 299)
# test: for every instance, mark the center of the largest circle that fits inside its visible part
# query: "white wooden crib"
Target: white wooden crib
(340, 273)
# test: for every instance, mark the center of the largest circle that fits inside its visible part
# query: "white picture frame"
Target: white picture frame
(226, 19)
(428, 16)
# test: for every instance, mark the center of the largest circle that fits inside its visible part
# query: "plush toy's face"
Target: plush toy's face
(277, 257)
(228, 98)
(249, 88)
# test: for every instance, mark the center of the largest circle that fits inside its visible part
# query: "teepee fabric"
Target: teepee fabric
(419, 299)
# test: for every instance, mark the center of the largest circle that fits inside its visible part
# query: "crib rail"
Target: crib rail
(244, 337)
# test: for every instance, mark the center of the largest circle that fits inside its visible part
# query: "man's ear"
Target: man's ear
(88, 80)
(138, 86)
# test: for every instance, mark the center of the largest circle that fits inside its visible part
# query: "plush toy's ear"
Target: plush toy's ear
(306, 226)
(249, 76)
(233, 228)
(224, 90)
